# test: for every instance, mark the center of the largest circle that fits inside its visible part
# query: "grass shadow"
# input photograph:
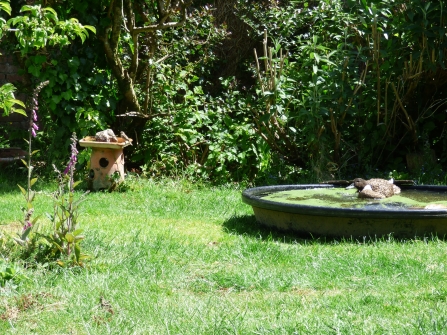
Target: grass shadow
(12, 174)
(248, 226)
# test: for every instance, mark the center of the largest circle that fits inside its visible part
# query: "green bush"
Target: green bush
(342, 88)
(361, 82)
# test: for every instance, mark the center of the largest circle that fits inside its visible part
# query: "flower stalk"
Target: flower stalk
(33, 127)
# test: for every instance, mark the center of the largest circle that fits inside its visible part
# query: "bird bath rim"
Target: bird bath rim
(252, 196)
(345, 222)
(90, 142)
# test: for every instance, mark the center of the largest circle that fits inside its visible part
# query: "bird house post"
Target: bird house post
(106, 162)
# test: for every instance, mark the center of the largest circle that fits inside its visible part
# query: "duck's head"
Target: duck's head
(358, 183)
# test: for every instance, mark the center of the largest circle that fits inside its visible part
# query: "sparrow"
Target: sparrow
(123, 135)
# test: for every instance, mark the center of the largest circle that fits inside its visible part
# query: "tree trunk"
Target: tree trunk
(110, 38)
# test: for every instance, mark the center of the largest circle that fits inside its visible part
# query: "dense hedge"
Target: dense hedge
(340, 87)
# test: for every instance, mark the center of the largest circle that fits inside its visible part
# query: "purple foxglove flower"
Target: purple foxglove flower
(67, 168)
(27, 225)
(35, 127)
(33, 132)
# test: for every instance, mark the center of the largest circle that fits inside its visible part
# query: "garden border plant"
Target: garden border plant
(62, 242)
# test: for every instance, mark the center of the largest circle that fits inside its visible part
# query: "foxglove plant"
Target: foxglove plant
(73, 159)
(28, 193)
(66, 236)
(62, 244)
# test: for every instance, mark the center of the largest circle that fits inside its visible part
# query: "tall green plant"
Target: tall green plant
(66, 235)
(381, 55)
(62, 242)
(28, 193)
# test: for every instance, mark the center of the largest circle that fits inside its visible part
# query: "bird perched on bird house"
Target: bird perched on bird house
(123, 135)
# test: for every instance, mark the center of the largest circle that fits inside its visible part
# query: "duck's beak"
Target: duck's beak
(350, 186)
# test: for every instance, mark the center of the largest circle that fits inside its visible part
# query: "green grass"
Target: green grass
(174, 258)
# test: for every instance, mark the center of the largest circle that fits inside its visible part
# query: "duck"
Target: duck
(378, 188)
(368, 193)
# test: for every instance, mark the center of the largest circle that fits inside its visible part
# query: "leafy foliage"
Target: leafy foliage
(9, 273)
(354, 69)
(38, 31)
(40, 27)
(8, 101)
(342, 87)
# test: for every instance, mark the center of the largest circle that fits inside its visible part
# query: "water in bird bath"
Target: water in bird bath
(342, 198)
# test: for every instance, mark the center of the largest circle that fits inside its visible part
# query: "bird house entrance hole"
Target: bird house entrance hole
(106, 168)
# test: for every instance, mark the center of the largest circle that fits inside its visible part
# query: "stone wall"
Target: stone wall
(9, 71)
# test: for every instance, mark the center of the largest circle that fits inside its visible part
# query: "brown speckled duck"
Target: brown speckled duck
(368, 193)
(378, 188)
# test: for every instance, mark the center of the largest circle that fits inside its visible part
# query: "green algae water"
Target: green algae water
(342, 198)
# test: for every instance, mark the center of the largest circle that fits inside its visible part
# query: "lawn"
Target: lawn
(175, 258)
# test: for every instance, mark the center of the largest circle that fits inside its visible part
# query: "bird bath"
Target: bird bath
(326, 210)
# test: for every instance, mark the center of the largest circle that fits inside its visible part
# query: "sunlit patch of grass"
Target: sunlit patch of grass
(172, 258)
(10, 228)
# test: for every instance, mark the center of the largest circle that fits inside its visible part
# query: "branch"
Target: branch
(163, 16)
(117, 20)
(129, 25)
(141, 115)
(159, 26)
(130, 17)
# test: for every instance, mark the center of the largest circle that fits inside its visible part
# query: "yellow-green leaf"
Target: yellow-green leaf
(23, 161)
(91, 28)
(76, 183)
(18, 102)
(77, 252)
(35, 219)
(33, 181)
(49, 9)
(69, 237)
(19, 111)
(22, 190)
(5, 6)
(77, 232)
